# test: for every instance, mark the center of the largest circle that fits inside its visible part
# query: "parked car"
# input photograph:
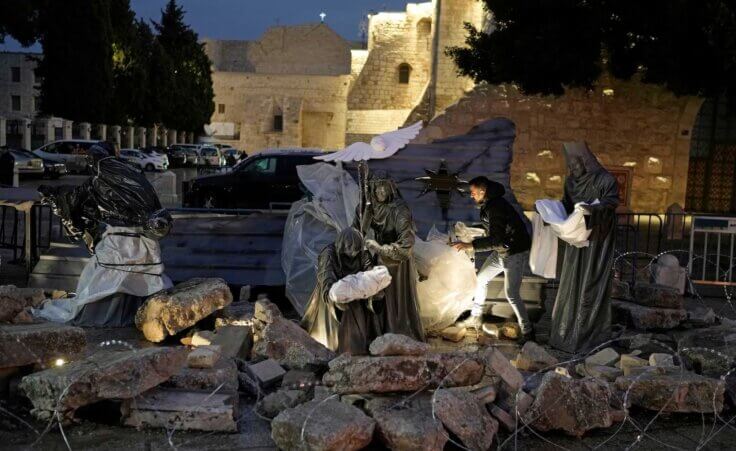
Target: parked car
(211, 156)
(261, 181)
(189, 150)
(177, 157)
(71, 152)
(26, 162)
(144, 161)
(51, 169)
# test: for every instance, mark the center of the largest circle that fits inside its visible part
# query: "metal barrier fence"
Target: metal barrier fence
(711, 256)
(12, 230)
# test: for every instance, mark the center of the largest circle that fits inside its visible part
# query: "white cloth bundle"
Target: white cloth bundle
(466, 234)
(360, 285)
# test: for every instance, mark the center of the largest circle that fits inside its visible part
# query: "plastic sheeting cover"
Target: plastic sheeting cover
(314, 223)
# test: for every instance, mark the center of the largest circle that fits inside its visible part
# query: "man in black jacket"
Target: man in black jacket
(509, 242)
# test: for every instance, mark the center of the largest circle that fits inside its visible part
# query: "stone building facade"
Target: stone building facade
(18, 85)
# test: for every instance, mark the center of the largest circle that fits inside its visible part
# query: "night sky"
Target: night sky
(248, 19)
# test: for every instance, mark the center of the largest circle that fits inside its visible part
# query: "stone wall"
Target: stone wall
(637, 126)
(252, 100)
(25, 88)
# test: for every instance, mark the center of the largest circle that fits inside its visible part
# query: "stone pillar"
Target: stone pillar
(130, 137)
(67, 133)
(141, 135)
(102, 132)
(27, 131)
(49, 131)
(172, 137)
(3, 131)
(164, 142)
(85, 130)
(152, 137)
(191, 137)
(115, 134)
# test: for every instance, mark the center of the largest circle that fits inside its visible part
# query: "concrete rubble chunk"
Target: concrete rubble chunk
(485, 395)
(14, 300)
(363, 374)
(701, 316)
(659, 296)
(42, 343)
(497, 364)
(573, 406)
(646, 318)
(299, 379)
(204, 356)
(504, 418)
(607, 357)
(202, 338)
(661, 359)
(286, 342)
(326, 425)
(235, 341)
(181, 410)
(267, 372)
(222, 377)
(606, 373)
(628, 362)
(454, 334)
(274, 403)
(266, 311)
(710, 351)
(105, 375)
(674, 391)
(407, 424)
(620, 290)
(396, 344)
(474, 425)
(534, 357)
(170, 311)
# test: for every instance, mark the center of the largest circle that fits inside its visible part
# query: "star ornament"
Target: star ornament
(442, 182)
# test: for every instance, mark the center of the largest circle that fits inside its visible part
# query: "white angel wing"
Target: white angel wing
(389, 143)
(354, 152)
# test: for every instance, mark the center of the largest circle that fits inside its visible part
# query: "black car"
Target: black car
(262, 181)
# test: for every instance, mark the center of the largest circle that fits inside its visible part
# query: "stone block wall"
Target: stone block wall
(639, 126)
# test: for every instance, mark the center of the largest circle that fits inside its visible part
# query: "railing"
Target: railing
(12, 230)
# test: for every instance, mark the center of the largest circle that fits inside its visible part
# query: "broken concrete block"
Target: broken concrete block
(181, 410)
(474, 426)
(454, 333)
(607, 373)
(268, 372)
(645, 318)
(42, 343)
(363, 374)
(323, 425)
(204, 356)
(701, 316)
(235, 341)
(620, 290)
(485, 395)
(658, 296)
(668, 272)
(266, 311)
(274, 403)
(14, 300)
(628, 362)
(573, 406)
(709, 351)
(244, 295)
(105, 375)
(510, 330)
(223, 376)
(321, 393)
(661, 359)
(533, 357)
(407, 425)
(676, 392)
(299, 380)
(607, 357)
(498, 365)
(503, 417)
(202, 338)
(171, 311)
(396, 344)
(290, 345)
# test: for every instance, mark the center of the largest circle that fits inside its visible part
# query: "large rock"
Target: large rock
(180, 410)
(710, 351)
(533, 357)
(407, 424)
(14, 300)
(474, 425)
(105, 375)
(660, 296)
(496, 364)
(573, 406)
(396, 344)
(605, 357)
(671, 390)
(286, 342)
(223, 377)
(274, 403)
(171, 311)
(42, 343)
(363, 374)
(645, 318)
(318, 425)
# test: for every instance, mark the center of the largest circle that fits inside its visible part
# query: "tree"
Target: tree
(184, 73)
(19, 19)
(543, 46)
(76, 68)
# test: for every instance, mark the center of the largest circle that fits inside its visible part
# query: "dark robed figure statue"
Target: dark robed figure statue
(581, 318)
(388, 216)
(341, 327)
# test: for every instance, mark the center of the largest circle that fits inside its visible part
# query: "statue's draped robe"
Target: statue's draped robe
(581, 318)
(343, 328)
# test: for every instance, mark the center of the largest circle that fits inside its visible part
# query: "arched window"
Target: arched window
(404, 73)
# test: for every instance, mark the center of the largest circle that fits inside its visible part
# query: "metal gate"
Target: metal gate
(711, 258)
